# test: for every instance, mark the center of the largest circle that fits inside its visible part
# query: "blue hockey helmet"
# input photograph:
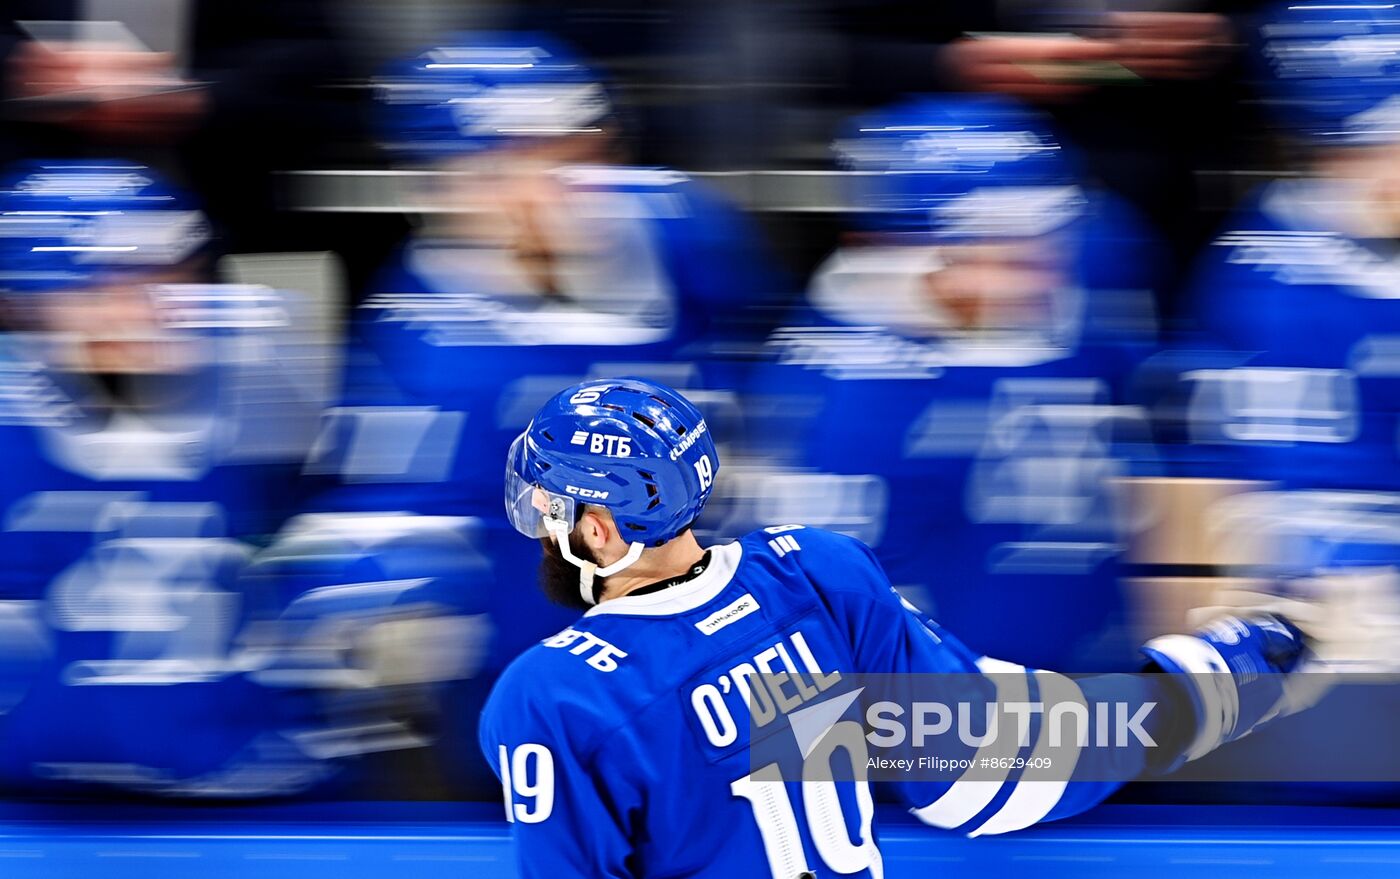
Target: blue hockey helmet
(1333, 70)
(65, 222)
(634, 446)
(486, 90)
(959, 167)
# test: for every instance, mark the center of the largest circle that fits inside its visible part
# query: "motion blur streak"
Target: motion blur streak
(1084, 317)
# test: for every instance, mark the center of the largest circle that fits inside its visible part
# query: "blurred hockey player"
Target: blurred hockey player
(1294, 379)
(538, 259)
(1301, 296)
(954, 388)
(152, 424)
(531, 209)
(625, 746)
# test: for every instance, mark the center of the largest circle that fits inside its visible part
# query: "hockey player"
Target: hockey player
(623, 743)
(1294, 381)
(955, 386)
(151, 425)
(1300, 297)
(539, 259)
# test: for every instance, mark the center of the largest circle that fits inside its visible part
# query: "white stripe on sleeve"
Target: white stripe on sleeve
(960, 803)
(1039, 789)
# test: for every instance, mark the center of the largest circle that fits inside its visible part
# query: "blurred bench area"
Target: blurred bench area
(1085, 317)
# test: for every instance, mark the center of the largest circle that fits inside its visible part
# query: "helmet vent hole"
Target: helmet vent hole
(612, 406)
(545, 465)
(643, 419)
(647, 475)
(680, 430)
(660, 400)
(651, 491)
(547, 435)
(654, 502)
(633, 526)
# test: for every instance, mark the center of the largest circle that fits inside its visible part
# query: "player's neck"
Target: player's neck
(660, 563)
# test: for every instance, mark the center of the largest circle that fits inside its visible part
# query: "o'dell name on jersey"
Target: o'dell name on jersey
(768, 686)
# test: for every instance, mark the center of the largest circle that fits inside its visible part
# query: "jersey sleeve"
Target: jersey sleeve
(568, 817)
(889, 635)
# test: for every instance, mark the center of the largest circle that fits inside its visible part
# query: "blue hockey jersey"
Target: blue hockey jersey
(124, 533)
(623, 743)
(456, 349)
(980, 467)
(1299, 380)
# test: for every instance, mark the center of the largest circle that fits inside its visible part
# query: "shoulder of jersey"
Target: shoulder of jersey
(584, 646)
(1257, 238)
(813, 549)
(563, 688)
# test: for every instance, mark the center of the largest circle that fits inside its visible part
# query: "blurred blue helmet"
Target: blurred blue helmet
(64, 223)
(1333, 70)
(483, 91)
(636, 447)
(959, 167)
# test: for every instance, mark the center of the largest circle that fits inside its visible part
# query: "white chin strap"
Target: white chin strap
(588, 570)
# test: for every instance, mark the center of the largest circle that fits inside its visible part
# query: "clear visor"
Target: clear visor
(532, 510)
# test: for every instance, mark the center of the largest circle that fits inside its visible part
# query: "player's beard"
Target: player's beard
(559, 577)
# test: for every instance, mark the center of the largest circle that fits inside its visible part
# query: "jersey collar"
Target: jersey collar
(724, 561)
